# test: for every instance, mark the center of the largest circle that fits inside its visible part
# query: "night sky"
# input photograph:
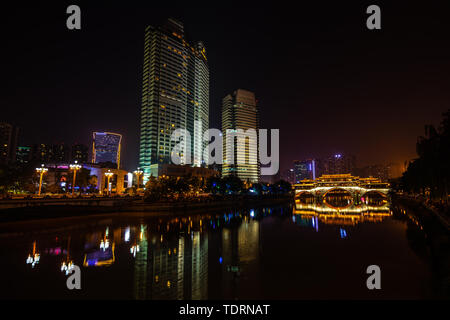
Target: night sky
(326, 81)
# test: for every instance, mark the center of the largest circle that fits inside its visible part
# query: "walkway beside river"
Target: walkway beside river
(443, 218)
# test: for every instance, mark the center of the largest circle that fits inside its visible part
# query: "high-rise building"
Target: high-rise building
(339, 164)
(240, 111)
(41, 153)
(79, 153)
(175, 95)
(289, 175)
(23, 155)
(49, 153)
(9, 135)
(383, 172)
(304, 169)
(60, 153)
(106, 147)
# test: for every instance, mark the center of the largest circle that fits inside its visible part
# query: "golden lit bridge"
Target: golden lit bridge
(342, 193)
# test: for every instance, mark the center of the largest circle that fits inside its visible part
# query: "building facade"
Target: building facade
(50, 153)
(61, 175)
(175, 95)
(24, 155)
(9, 135)
(289, 175)
(106, 147)
(380, 171)
(240, 111)
(304, 169)
(339, 163)
(79, 153)
(171, 170)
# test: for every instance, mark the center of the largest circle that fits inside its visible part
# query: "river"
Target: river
(279, 252)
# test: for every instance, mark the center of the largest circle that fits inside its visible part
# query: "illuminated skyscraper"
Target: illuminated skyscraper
(106, 147)
(175, 95)
(240, 111)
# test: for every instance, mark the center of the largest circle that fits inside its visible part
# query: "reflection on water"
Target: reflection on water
(205, 256)
(342, 202)
(168, 257)
(34, 257)
(339, 208)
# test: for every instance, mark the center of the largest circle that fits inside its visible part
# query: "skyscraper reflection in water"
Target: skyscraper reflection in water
(172, 269)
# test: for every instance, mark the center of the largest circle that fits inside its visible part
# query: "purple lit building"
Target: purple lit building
(106, 147)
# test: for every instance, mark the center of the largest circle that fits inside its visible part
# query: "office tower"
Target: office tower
(9, 134)
(60, 153)
(106, 147)
(79, 153)
(289, 176)
(175, 95)
(41, 153)
(23, 155)
(304, 169)
(50, 153)
(240, 111)
(340, 164)
(320, 167)
(380, 171)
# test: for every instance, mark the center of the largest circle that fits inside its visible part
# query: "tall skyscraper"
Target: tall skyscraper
(240, 111)
(9, 135)
(304, 169)
(380, 171)
(49, 153)
(106, 147)
(340, 163)
(79, 153)
(23, 155)
(60, 153)
(289, 176)
(175, 95)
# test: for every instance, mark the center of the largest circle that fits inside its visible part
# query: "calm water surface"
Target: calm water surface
(262, 253)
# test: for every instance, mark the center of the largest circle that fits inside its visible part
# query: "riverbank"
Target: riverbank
(411, 202)
(133, 208)
(431, 240)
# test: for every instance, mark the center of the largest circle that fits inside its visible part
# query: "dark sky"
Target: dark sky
(326, 81)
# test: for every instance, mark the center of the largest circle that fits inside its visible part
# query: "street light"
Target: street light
(109, 174)
(138, 174)
(41, 171)
(75, 167)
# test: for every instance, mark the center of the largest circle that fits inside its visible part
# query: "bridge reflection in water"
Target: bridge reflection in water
(232, 254)
(342, 199)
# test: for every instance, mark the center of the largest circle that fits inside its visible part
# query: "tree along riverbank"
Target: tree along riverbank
(421, 205)
(429, 238)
